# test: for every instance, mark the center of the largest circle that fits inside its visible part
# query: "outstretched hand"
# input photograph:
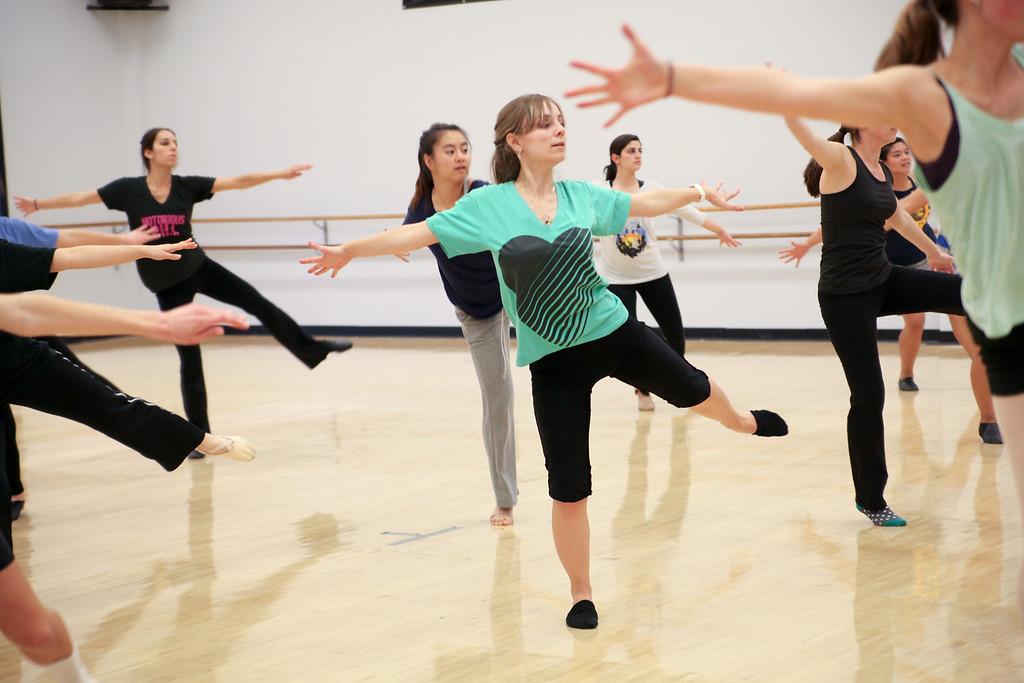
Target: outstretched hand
(168, 252)
(643, 79)
(796, 252)
(142, 235)
(26, 205)
(193, 323)
(295, 171)
(330, 259)
(721, 198)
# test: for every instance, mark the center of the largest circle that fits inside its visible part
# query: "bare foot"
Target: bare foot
(232, 447)
(501, 517)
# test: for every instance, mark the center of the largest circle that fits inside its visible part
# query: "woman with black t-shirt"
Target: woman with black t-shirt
(164, 201)
(471, 283)
(857, 285)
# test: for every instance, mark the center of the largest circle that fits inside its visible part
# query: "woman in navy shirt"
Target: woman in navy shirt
(471, 283)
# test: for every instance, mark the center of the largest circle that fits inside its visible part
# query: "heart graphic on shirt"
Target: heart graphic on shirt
(555, 283)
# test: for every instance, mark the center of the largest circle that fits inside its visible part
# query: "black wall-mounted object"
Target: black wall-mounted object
(128, 5)
(416, 4)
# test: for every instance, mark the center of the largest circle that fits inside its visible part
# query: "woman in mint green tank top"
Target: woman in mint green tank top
(963, 114)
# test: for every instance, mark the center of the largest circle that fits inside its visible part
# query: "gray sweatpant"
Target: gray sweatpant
(488, 340)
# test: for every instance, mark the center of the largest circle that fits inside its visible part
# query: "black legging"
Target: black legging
(8, 428)
(562, 383)
(851, 320)
(57, 386)
(217, 282)
(660, 297)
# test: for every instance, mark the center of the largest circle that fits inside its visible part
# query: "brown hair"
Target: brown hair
(147, 142)
(812, 173)
(917, 37)
(519, 116)
(425, 180)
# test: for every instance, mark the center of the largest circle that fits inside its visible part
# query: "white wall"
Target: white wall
(348, 85)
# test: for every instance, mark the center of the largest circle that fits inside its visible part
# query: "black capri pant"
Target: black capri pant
(852, 323)
(562, 385)
(1004, 360)
(53, 384)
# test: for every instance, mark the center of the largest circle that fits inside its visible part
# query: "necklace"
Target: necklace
(544, 217)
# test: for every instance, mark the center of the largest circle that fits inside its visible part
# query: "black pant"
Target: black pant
(1004, 360)
(8, 429)
(562, 384)
(660, 297)
(59, 387)
(217, 282)
(851, 320)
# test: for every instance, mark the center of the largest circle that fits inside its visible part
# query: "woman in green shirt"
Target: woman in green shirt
(571, 330)
(963, 115)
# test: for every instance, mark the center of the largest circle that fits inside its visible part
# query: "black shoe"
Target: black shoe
(336, 345)
(769, 423)
(989, 432)
(196, 455)
(583, 615)
(908, 384)
(324, 348)
(16, 507)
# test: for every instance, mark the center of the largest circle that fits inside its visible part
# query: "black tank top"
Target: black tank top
(853, 233)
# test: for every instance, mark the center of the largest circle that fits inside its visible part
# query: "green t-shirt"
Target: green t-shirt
(549, 286)
(981, 205)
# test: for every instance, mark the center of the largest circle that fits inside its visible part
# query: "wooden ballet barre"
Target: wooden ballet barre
(665, 238)
(377, 216)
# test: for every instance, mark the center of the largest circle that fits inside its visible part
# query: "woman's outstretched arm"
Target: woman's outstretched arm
(400, 240)
(244, 182)
(907, 97)
(37, 315)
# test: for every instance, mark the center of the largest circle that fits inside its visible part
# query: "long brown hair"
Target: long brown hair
(812, 173)
(519, 116)
(425, 180)
(917, 36)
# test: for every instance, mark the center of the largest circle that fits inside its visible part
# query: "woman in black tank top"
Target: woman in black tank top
(858, 285)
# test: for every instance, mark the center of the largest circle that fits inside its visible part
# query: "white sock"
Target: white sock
(70, 670)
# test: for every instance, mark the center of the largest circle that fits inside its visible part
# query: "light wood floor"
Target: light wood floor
(716, 557)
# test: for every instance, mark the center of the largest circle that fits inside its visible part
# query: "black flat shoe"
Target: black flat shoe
(196, 455)
(583, 615)
(769, 423)
(16, 507)
(907, 384)
(989, 432)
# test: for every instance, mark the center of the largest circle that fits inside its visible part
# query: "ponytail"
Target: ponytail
(917, 37)
(504, 164)
(812, 173)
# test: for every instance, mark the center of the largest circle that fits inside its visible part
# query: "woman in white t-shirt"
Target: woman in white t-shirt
(631, 260)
